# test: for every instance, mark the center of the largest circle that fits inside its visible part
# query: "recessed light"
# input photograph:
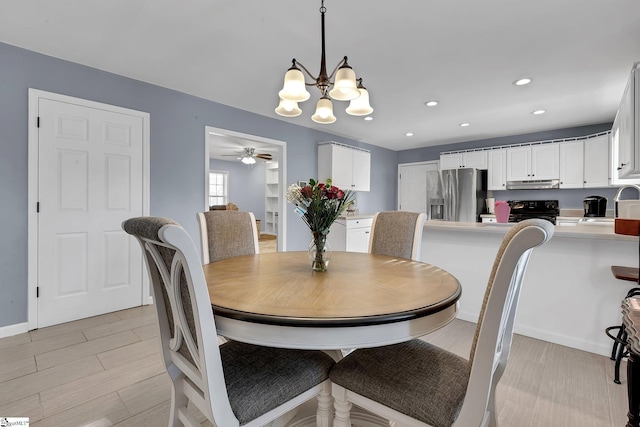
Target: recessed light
(368, 118)
(409, 134)
(463, 125)
(522, 82)
(431, 103)
(538, 112)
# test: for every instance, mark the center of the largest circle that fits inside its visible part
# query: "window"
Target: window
(218, 184)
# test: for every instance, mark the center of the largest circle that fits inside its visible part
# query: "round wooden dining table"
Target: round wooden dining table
(362, 300)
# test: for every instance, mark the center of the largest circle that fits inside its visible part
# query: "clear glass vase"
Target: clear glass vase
(319, 252)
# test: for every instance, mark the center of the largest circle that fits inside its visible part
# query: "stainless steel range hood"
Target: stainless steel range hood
(541, 184)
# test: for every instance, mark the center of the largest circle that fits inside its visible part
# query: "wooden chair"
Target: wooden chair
(418, 384)
(397, 233)
(234, 384)
(225, 234)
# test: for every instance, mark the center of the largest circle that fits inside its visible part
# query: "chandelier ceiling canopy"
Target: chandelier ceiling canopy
(345, 87)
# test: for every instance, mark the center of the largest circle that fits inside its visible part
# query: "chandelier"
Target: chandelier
(345, 88)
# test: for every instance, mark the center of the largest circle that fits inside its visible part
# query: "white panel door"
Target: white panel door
(412, 186)
(90, 180)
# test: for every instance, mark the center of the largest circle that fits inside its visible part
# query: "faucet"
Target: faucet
(616, 198)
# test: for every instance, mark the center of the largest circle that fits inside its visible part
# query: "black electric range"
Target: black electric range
(527, 209)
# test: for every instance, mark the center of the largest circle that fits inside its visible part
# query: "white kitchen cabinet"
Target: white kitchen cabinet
(348, 167)
(626, 128)
(350, 234)
(466, 159)
(533, 162)
(450, 161)
(519, 163)
(596, 161)
(572, 164)
(497, 169)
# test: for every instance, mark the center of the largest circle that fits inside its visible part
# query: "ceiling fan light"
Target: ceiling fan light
(288, 108)
(360, 106)
(248, 160)
(345, 88)
(324, 111)
(294, 88)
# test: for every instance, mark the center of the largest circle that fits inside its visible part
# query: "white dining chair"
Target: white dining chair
(227, 233)
(234, 384)
(419, 384)
(397, 234)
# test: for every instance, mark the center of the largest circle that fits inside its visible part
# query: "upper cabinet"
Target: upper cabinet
(467, 159)
(625, 132)
(497, 169)
(596, 161)
(585, 163)
(572, 164)
(348, 167)
(533, 162)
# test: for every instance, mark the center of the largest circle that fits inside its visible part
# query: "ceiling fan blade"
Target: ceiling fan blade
(231, 155)
(264, 156)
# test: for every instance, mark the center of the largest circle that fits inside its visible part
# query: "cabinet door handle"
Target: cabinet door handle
(366, 232)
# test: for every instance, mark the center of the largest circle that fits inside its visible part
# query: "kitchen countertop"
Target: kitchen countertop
(598, 230)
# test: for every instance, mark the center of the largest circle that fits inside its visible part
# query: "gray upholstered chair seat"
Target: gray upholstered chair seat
(390, 375)
(259, 379)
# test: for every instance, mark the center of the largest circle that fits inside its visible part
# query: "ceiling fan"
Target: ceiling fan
(249, 155)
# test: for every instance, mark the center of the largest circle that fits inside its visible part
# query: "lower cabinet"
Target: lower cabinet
(350, 234)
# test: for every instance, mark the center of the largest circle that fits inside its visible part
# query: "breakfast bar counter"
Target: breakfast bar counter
(569, 295)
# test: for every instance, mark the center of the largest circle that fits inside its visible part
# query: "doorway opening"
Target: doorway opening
(257, 173)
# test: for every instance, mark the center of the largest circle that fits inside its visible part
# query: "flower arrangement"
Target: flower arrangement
(319, 205)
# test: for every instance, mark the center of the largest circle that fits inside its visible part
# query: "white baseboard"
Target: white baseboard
(567, 341)
(11, 330)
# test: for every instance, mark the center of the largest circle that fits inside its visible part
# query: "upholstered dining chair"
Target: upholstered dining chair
(226, 233)
(419, 384)
(397, 233)
(234, 384)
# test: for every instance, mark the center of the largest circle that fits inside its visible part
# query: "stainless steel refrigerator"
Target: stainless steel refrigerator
(456, 194)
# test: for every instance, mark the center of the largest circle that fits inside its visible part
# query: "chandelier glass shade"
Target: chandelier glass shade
(344, 87)
(248, 160)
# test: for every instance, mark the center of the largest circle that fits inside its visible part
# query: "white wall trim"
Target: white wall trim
(564, 340)
(32, 218)
(282, 175)
(11, 330)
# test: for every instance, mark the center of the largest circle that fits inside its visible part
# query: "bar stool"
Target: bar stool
(629, 227)
(619, 350)
(631, 321)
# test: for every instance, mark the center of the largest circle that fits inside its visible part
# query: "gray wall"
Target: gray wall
(568, 198)
(246, 185)
(177, 148)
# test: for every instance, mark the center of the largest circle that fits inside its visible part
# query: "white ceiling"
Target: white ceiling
(464, 53)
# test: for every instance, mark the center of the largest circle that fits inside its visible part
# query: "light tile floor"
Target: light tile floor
(107, 370)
